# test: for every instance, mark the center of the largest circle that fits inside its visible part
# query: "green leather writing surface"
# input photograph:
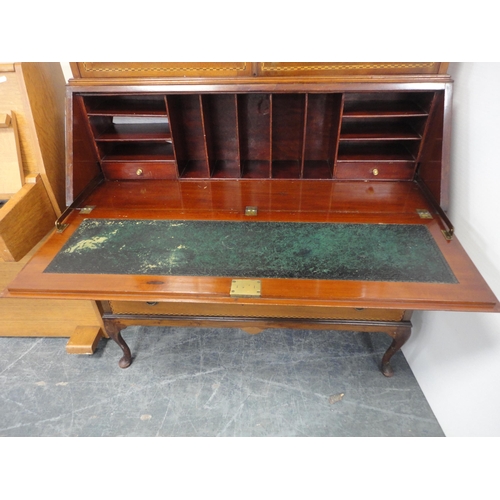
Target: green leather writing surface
(371, 252)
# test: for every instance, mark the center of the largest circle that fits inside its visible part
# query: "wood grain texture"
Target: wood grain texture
(24, 220)
(11, 167)
(12, 100)
(42, 317)
(84, 340)
(252, 311)
(44, 95)
(35, 92)
(471, 293)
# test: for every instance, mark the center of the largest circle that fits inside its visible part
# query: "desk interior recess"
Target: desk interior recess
(332, 136)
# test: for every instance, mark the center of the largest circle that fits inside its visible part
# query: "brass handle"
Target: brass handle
(139, 171)
(375, 171)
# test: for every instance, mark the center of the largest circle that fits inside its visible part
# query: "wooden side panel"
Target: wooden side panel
(11, 167)
(34, 92)
(44, 85)
(434, 166)
(45, 317)
(12, 100)
(24, 220)
(82, 160)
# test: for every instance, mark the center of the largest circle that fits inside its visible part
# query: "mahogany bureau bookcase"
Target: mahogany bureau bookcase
(258, 195)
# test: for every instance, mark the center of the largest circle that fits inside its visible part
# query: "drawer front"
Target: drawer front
(374, 171)
(253, 311)
(140, 170)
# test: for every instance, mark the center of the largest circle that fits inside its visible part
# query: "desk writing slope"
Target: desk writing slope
(371, 252)
(323, 186)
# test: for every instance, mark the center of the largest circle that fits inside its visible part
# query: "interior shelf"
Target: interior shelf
(261, 135)
(373, 152)
(135, 132)
(126, 105)
(356, 130)
(143, 152)
(383, 104)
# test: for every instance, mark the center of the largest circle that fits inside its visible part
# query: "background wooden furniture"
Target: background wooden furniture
(32, 94)
(355, 147)
(32, 99)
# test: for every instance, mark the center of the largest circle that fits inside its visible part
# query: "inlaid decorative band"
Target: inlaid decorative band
(89, 67)
(329, 67)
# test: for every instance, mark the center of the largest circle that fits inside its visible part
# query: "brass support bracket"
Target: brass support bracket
(448, 230)
(447, 234)
(424, 214)
(60, 227)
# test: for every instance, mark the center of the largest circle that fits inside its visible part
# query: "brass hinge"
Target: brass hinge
(87, 209)
(424, 214)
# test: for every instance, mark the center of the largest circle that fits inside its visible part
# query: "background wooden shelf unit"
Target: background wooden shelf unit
(33, 95)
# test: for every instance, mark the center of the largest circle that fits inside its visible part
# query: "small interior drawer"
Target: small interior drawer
(140, 170)
(375, 170)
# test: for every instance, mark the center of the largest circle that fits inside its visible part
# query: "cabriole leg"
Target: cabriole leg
(113, 329)
(400, 336)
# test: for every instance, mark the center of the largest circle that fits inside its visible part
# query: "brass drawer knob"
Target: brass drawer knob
(375, 171)
(139, 171)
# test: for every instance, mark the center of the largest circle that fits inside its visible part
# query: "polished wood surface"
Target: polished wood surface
(216, 201)
(261, 131)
